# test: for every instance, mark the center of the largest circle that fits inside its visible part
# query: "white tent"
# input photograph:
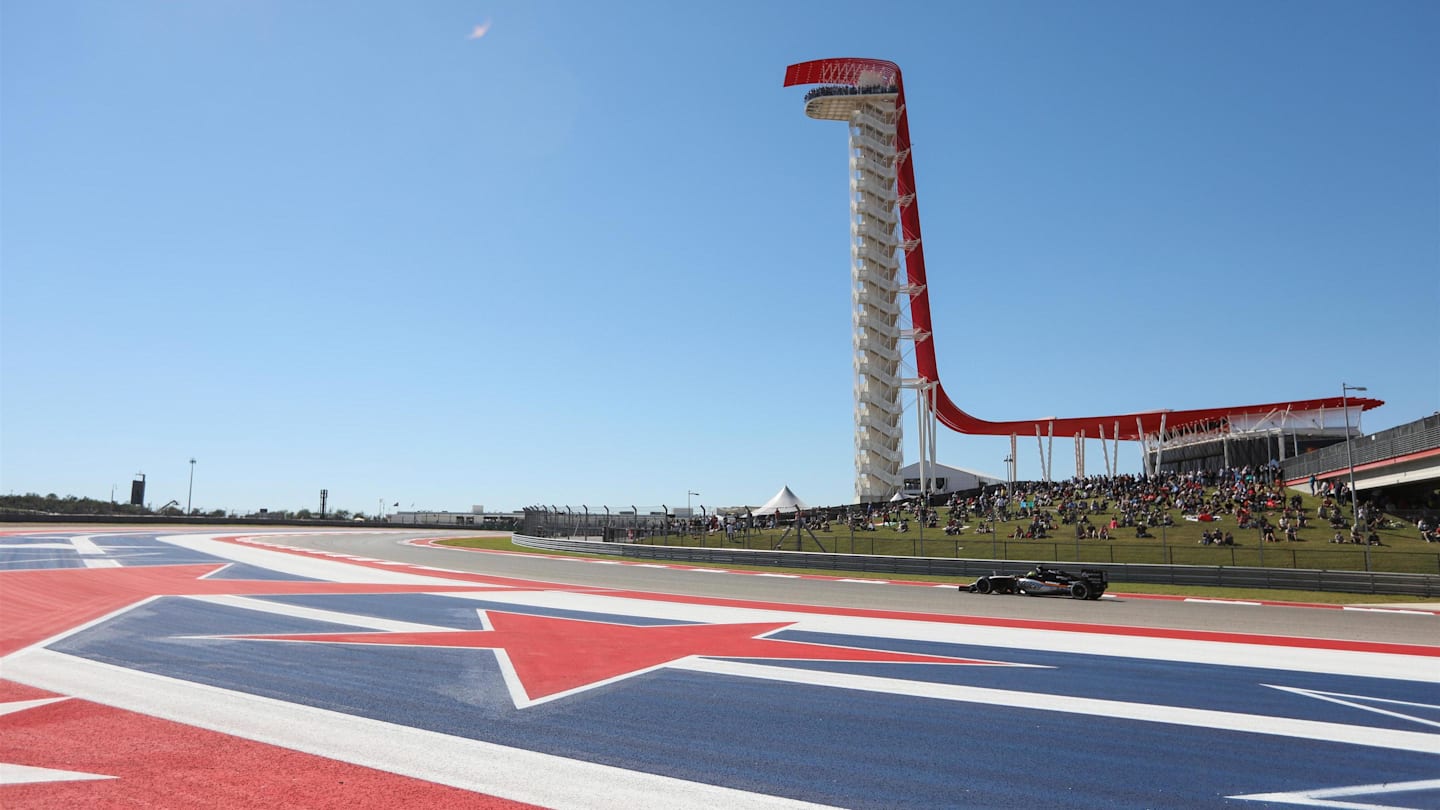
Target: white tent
(784, 501)
(945, 479)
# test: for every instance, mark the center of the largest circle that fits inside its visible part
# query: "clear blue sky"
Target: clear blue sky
(599, 255)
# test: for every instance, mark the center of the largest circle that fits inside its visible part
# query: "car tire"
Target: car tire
(982, 585)
(1080, 590)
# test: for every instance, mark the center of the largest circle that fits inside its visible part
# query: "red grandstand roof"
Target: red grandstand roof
(1132, 426)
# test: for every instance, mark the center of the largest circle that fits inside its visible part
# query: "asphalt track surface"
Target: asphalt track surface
(839, 591)
(352, 669)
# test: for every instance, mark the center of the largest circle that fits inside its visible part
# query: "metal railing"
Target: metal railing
(1420, 585)
(1414, 437)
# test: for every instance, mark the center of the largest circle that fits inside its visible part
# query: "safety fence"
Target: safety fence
(1376, 582)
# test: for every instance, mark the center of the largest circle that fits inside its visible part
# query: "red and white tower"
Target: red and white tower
(888, 307)
(864, 97)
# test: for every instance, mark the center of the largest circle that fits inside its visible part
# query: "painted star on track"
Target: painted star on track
(546, 657)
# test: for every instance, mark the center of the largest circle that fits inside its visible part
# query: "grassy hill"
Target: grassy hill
(1401, 549)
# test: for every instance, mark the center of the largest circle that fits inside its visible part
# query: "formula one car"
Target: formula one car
(1090, 583)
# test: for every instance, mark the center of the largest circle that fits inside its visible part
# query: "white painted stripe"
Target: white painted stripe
(316, 614)
(25, 705)
(440, 758)
(866, 581)
(1324, 797)
(85, 545)
(782, 576)
(102, 563)
(27, 775)
(1370, 704)
(1393, 739)
(32, 563)
(298, 565)
(650, 565)
(707, 570)
(1200, 601)
(1388, 610)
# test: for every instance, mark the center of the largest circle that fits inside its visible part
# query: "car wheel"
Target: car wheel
(1080, 590)
(982, 585)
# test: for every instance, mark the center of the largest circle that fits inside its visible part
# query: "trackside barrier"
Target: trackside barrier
(1421, 585)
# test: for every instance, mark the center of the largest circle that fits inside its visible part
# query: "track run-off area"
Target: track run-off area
(363, 668)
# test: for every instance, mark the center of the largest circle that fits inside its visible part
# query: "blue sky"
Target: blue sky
(600, 256)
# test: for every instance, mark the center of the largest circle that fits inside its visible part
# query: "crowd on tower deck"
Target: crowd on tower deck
(849, 90)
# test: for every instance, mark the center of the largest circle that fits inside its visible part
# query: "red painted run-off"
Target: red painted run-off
(159, 764)
(150, 762)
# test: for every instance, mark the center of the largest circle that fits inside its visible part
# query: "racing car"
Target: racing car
(1090, 583)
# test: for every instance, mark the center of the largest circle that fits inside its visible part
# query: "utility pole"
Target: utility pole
(1350, 461)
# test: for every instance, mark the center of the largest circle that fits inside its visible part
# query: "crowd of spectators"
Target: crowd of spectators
(850, 90)
(1103, 507)
(1226, 501)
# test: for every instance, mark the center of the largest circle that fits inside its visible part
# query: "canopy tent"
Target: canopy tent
(784, 501)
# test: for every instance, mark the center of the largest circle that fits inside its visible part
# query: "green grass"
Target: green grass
(1317, 597)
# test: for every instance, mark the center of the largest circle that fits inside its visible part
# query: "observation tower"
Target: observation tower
(888, 307)
(867, 103)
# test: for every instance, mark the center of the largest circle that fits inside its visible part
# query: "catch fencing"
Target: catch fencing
(1374, 582)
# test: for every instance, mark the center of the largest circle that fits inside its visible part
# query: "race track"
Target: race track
(351, 668)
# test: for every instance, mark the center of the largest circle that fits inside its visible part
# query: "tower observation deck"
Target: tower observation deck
(868, 107)
(869, 95)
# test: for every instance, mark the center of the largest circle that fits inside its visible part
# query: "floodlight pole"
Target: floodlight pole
(191, 491)
(1350, 462)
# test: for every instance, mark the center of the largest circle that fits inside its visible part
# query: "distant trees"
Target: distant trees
(69, 505)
